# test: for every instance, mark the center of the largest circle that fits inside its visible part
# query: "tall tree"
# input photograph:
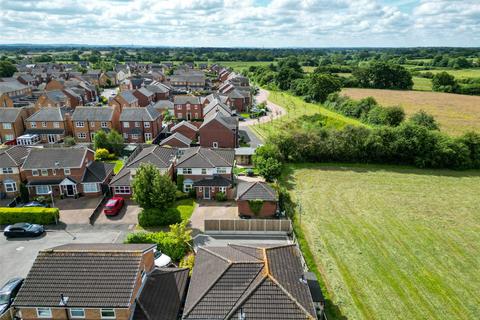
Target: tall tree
(7, 69)
(152, 190)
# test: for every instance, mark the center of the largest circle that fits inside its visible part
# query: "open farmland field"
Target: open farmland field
(422, 84)
(296, 108)
(393, 242)
(459, 74)
(456, 113)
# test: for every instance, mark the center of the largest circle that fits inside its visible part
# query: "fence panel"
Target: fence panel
(251, 226)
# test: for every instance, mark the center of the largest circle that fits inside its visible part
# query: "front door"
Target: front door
(206, 193)
(51, 138)
(189, 116)
(70, 190)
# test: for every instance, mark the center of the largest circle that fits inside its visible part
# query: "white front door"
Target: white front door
(148, 136)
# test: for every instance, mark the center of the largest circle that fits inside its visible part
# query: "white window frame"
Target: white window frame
(148, 136)
(8, 170)
(204, 171)
(87, 187)
(126, 124)
(82, 135)
(44, 124)
(9, 137)
(107, 317)
(187, 170)
(125, 135)
(92, 124)
(56, 124)
(134, 136)
(47, 310)
(104, 124)
(187, 187)
(67, 171)
(223, 189)
(7, 125)
(33, 124)
(42, 187)
(44, 172)
(10, 186)
(72, 310)
(221, 170)
(137, 124)
(122, 190)
(79, 124)
(146, 124)
(35, 172)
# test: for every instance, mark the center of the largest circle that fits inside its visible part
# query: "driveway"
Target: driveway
(128, 215)
(77, 211)
(275, 110)
(17, 254)
(212, 210)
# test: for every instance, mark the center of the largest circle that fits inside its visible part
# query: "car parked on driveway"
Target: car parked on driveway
(113, 206)
(161, 259)
(23, 229)
(35, 204)
(8, 293)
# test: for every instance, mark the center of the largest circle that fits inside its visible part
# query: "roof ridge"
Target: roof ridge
(251, 186)
(264, 186)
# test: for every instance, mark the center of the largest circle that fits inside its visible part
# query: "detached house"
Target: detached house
(187, 107)
(124, 99)
(65, 171)
(54, 98)
(186, 128)
(207, 171)
(51, 124)
(140, 124)
(261, 282)
(144, 96)
(89, 120)
(11, 159)
(162, 158)
(12, 123)
(219, 131)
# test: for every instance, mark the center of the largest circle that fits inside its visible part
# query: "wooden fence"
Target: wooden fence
(6, 315)
(248, 226)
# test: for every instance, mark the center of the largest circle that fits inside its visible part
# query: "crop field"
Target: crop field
(296, 108)
(393, 242)
(459, 74)
(455, 113)
(422, 84)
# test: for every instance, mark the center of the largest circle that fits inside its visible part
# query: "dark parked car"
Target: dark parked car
(23, 230)
(8, 293)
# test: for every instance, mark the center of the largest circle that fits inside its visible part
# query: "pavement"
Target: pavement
(17, 254)
(223, 240)
(77, 211)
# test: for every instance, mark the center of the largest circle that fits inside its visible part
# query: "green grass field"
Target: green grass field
(459, 74)
(422, 84)
(393, 242)
(296, 108)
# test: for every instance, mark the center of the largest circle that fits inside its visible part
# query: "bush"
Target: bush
(179, 195)
(174, 243)
(103, 155)
(220, 196)
(31, 214)
(180, 179)
(158, 218)
(188, 262)
(69, 141)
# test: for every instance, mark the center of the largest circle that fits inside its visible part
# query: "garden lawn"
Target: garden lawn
(297, 107)
(186, 207)
(118, 165)
(393, 242)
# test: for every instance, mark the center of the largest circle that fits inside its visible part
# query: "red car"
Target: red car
(113, 206)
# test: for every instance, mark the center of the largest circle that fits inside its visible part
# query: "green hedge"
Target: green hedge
(32, 215)
(166, 242)
(159, 218)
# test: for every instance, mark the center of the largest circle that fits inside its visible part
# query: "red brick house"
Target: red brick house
(186, 128)
(12, 122)
(176, 140)
(86, 121)
(51, 124)
(187, 107)
(144, 96)
(161, 157)
(124, 99)
(207, 171)
(252, 194)
(140, 125)
(219, 131)
(68, 172)
(11, 160)
(161, 91)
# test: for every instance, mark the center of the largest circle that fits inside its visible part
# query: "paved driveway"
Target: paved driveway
(77, 211)
(128, 215)
(17, 254)
(202, 240)
(212, 210)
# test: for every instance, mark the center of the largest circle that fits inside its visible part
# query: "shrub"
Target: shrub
(69, 141)
(158, 217)
(103, 154)
(30, 214)
(220, 196)
(180, 179)
(188, 262)
(179, 195)
(255, 206)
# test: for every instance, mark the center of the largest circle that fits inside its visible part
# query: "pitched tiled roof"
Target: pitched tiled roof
(9, 115)
(262, 282)
(178, 136)
(13, 156)
(216, 181)
(140, 114)
(162, 295)
(97, 171)
(199, 157)
(145, 92)
(225, 120)
(48, 158)
(128, 96)
(161, 157)
(215, 105)
(255, 191)
(184, 123)
(163, 104)
(184, 99)
(157, 88)
(9, 86)
(93, 114)
(90, 275)
(56, 95)
(48, 114)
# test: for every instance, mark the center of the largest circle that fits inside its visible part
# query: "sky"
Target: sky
(242, 23)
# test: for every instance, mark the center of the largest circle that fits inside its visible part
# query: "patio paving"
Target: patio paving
(77, 211)
(212, 210)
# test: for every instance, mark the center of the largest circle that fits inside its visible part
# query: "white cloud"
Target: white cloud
(311, 23)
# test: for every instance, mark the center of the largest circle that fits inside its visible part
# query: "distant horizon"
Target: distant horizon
(243, 24)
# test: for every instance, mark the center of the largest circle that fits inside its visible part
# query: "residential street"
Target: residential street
(17, 254)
